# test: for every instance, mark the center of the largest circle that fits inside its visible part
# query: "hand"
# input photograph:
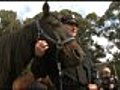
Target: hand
(46, 80)
(111, 86)
(92, 87)
(40, 47)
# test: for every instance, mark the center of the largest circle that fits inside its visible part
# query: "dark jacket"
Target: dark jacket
(75, 77)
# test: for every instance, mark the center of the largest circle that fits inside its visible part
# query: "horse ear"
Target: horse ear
(46, 8)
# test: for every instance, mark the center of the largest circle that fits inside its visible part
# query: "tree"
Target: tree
(27, 21)
(9, 22)
(112, 25)
(109, 26)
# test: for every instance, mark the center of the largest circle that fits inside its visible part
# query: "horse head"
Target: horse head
(17, 49)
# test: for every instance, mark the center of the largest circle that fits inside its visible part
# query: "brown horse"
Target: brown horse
(17, 49)
(70, 53)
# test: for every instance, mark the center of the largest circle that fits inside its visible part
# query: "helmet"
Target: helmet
(69, 19)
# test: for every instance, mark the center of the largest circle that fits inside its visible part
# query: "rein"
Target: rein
(58, 44)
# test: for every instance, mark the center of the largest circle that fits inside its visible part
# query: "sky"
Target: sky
(28, 9)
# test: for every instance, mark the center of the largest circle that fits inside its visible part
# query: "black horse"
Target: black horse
(17, 48)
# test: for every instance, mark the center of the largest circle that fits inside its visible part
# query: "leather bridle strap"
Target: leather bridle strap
(58, 44)
(41, 32)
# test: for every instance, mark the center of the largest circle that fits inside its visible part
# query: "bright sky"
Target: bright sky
(28, 9)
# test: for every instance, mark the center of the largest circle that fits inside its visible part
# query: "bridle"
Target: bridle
(58, 43)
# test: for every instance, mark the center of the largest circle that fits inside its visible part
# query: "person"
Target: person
(74, 76)
(108, 81)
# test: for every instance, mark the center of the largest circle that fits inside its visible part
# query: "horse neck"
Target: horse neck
(31, 30)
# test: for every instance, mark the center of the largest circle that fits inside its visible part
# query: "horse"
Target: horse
(17, 48)
(68, 53)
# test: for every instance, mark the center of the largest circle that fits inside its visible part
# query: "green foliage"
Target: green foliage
(27, 21)
(112, 31)
(92, 16)
(65, 12)
(9, 22)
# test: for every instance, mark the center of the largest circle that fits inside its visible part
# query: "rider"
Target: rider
(44, 66)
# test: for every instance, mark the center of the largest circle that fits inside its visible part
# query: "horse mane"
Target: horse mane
(16, 50)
